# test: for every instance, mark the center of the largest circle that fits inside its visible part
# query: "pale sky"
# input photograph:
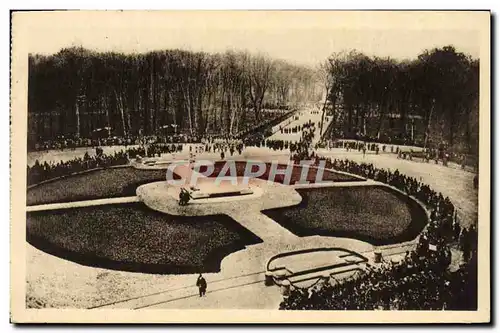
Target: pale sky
(301, 37)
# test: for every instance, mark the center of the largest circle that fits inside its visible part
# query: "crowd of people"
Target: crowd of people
(301, 150)
(103, 137)
(382, 139)
(422, 279)
(71, 143)
(40, 172)
(277, 144)
(153, 150)
(298, 128)
(307, 131)
(414, 153)
(264, 127)
(415, 283)
(223, 146)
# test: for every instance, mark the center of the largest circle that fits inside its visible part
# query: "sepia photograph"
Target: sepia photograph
(250, 167)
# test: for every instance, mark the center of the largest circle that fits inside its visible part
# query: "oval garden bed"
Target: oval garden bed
(376, 214)
(131, 237)
(95, 184)
(123, 181)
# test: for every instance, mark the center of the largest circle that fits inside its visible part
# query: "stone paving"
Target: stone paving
(264, 227)
(189, 294)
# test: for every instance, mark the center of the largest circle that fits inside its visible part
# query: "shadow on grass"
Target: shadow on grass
(337, 212)
(146, 241)
(93, 184)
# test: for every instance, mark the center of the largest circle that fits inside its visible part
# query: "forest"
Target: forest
(76, 91)
(439, 88)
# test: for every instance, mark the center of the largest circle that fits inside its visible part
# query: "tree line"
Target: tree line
(77, 91)
(439, 89)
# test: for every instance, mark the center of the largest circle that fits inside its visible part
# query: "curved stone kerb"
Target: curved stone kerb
(162, 196)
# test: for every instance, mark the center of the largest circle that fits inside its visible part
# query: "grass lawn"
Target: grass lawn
(131, 237)
(295, 175)
(98, 184)
(121, 182)
(375, 214)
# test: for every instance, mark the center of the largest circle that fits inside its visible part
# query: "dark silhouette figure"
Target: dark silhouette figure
(201, 283)
(184, 197)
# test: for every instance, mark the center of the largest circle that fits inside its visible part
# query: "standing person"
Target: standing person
(201, 283)
(181, 198)
(445, 159)
(184, 197)
(465, 244)
(456, 230)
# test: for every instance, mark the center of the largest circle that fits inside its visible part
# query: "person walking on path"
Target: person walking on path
(201, 283)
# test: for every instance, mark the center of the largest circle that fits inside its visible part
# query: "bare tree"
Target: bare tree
(260, 74)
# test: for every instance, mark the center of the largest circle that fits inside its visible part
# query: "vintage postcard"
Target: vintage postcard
(250, 167)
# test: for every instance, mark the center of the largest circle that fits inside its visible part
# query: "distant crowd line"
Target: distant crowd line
(404, 152)
(43, 171)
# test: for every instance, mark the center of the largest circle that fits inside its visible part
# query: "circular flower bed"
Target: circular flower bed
(375, 214)
(132, 237)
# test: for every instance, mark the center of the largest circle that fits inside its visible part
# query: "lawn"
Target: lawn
(121, 182)
(375, 214)
(328, 175)
(131, 237)
(97, 184)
